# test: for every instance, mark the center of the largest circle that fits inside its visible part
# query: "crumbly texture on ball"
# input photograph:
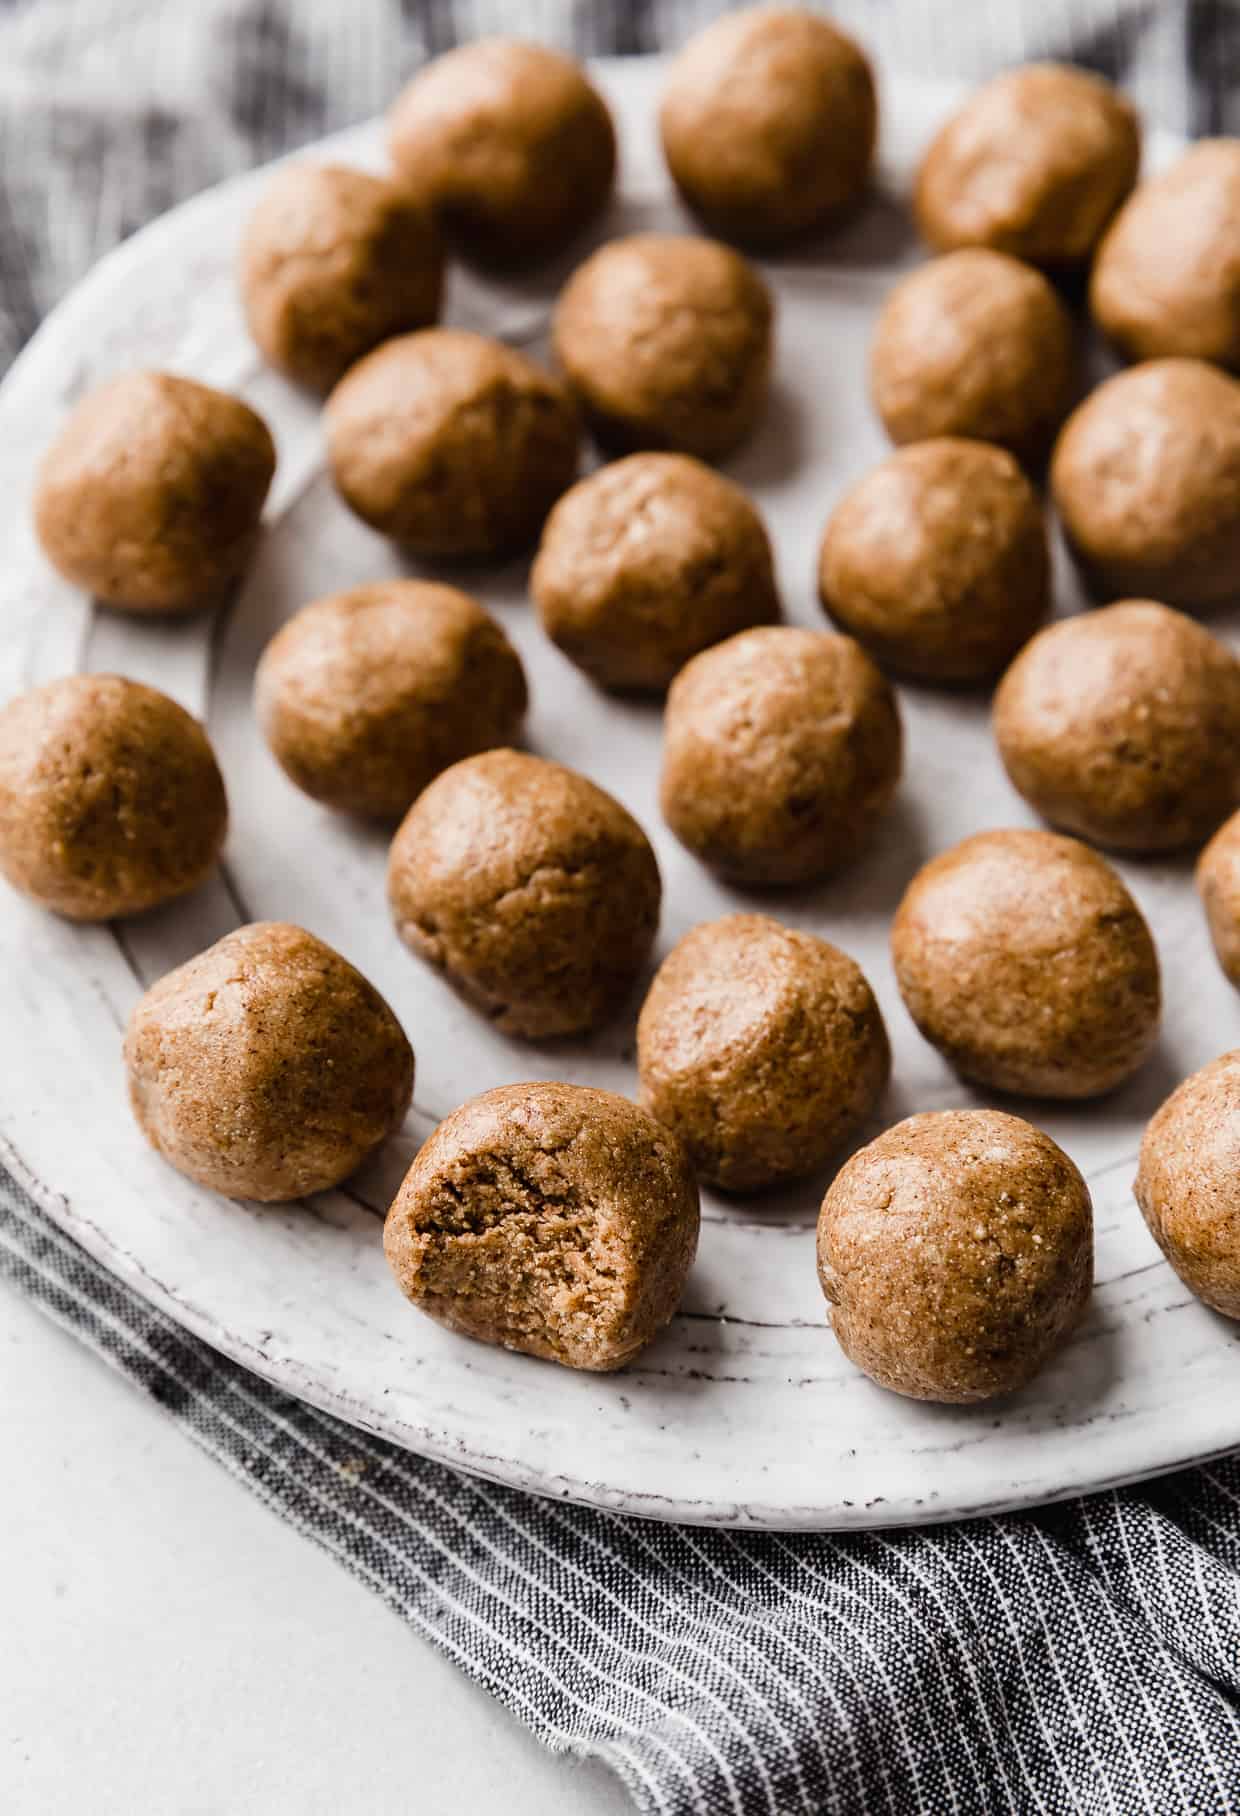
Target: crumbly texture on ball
(1218, 882)
(769, 119)
(111, 800)
(509, 145)
(1146, 480)
(666, 340)
(452, 444)
(763, 1048)
(782, 748)
(267, 1067)
(553, 1219)
(1123, 725)
(1188, 1182)
(1167, 276)
(978, 345)
(1035, 163)
(151, 494)
(956, 1252)
(1021, 956)
(937, 561)
(332, 262)
(534, 892)
(366, 696)
(648, 561)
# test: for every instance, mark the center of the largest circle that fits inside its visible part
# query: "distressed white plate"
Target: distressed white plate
(744, 1412)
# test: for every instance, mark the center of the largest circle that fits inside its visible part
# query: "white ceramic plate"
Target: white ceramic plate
(744, 1412)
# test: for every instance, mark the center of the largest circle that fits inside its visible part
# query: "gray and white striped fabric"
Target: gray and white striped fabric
(1086, 1658)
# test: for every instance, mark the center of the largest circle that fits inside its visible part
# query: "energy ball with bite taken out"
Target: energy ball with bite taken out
(645, 563)
(782, 750)
(1021, 956)
(769, 119)
(1188, 1183)
(762, 1048)
(533, 891)
(452, 444)
(332, 262)
(978, 345)
(111, 801)
(1035, 163)
(267, 1067)
(366, 696)
(956, 1252)
(553, 1219)
(1146, 480)
(509, 145)
(937, 562)
(1123, 726)
(666, 341)
(151, 494)
(1218, 882)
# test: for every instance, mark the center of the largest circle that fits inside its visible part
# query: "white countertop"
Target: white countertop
(170, 1645)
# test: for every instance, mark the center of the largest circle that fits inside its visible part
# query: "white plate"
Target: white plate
(744, 1412)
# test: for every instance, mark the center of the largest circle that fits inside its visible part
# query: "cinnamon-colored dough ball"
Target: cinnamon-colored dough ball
(974, 344)
(1167, 276)
(1022, 958)
(553, 1219)
(1188, 1183)
(937, 562)
(509, 145)
(769, 118)
(782, 750)
(957, 1254)
(648, 561)
(1035, 163)
(111, 800)
(1218, 881)
(332, 262)
(267, 1067)
(1146, 479)
(151, 494)
(534, 892)
(452, 444)
(1123, 726)
(364, 697)
(666, 341)
(763, 1048)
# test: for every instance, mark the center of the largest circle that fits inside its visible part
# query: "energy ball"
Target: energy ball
(111, 800)
(937, 561)
(645, 563)
(762, 1048)
(1035, 163)
(151, 494)
(1123, 726)
(769, 119)
(267, 1067)
(782, 749)
(1218, 882)
(364, 697)
(957, 1254)
(452, 444)
(333, 261)
(533, 891)
(1167, 276)
(509, 145)
(1146, 480)
(666, 341)
(974, 344)
(1021, 956)
(553, 1219)
(1188, 1183)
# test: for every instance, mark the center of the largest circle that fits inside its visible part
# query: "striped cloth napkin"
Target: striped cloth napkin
(1086, 1658)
